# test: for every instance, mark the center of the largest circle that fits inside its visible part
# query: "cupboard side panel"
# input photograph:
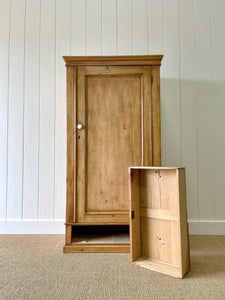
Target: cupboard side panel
(156, 124)
(185, 251)
(134, 204)
(147, 117)
(71, 145)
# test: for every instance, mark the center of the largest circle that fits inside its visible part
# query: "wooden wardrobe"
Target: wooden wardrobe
(113, 122)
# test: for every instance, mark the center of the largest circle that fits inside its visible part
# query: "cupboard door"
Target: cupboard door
(113, 133)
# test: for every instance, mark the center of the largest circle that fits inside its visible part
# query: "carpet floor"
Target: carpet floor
(34, 267)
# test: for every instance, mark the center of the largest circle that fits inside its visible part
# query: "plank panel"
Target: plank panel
(156, 45)
(204, 111)
(47, 108)
(94, 27)
(188, 103)
(62, 48)
(31, 110)
(71, 146)
(218, 75)
(171, 85)
(159, 242)
(113, 139)
(135, 223)
(78, 27)
(140, 27)
(147, 116)
(156, 116)
(15, 118)
(109, 27)
(5, 9)
(155, 27)
(125, 27)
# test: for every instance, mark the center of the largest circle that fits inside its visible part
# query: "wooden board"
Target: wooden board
(158, 223)
(97, 248)
(114, 60)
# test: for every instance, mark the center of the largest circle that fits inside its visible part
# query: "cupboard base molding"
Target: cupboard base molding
(97, 248)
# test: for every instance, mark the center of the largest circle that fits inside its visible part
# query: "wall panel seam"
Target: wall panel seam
(212, 107)
(196, 106)
(39, 116)
(7, 158)
(54, 146)
(24, 65)
(179, 29)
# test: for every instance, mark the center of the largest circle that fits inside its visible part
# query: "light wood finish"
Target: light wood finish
(147, 117)
(159, 223)
(110, 110)
(113, 60)
(71, 145)
(135, 238)
(99, 248)
(183, 224)
(68, 239)
(155, 110)
(112, 98)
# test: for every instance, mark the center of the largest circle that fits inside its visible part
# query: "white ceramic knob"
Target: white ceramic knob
(79, 126)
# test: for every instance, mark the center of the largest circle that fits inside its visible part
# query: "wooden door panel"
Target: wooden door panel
(113, 139)
(111, 101)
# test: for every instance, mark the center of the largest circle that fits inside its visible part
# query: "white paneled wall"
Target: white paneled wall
(35, 34)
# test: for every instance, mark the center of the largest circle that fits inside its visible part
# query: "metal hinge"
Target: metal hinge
(151, 79)
(132, 215)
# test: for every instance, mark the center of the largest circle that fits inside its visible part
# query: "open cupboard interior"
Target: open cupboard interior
(113, 122)
(158, 225)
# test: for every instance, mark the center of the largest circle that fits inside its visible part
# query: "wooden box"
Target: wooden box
(158, 220)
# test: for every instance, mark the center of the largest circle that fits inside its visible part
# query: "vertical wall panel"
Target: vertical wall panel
(188, 103)
(109, 27)
(140, 27)
(31, 110)
(204, 111)
(155, 24)
(62, 48)
(218, 48)
(156, 46)
(15, 119)
(35, 34)
(4, 61)
(47, 110)
(94, 27)
(125, 27)
(171, 84)
(78, 27)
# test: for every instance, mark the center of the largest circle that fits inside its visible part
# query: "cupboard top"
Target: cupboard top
(113, 60)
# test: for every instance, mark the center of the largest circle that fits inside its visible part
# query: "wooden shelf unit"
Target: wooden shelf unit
(158, 223)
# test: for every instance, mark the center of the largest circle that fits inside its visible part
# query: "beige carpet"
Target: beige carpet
(34, 267)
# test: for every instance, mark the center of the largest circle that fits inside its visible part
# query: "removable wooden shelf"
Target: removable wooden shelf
(158, 220)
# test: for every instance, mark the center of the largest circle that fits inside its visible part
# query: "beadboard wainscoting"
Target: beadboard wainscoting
(35, 34)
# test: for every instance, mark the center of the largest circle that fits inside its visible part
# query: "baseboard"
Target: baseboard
(32, 227)
(206, 227)
(57, 227)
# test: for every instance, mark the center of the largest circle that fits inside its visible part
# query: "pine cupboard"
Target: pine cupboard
(113, 122)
